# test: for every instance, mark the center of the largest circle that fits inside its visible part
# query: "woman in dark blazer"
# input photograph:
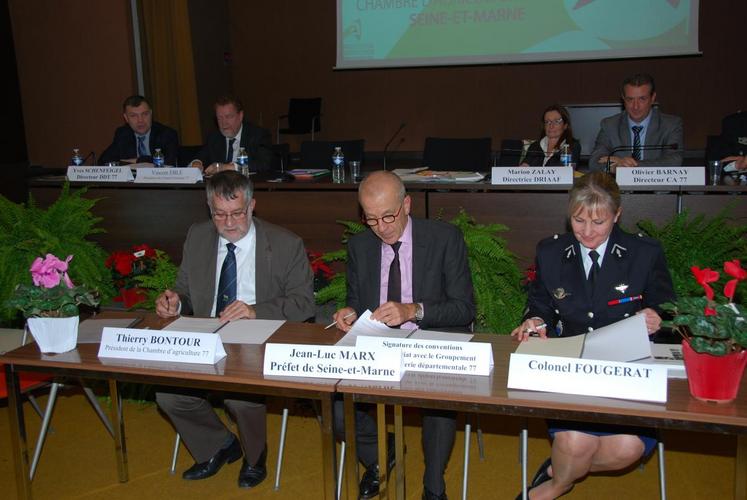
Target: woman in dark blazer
(556, 132)
(578, 275)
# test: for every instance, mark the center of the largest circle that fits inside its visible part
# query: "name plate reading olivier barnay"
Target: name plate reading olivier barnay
(304, 360)
(99, 174)
(531, 175)
(588, 377)
(169, 175)
(436, 356)
(660, 176)
(161, 345)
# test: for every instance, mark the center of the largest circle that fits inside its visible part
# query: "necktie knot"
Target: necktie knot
(395, 247)
(637, 129)
(594, 256)
(231, 247)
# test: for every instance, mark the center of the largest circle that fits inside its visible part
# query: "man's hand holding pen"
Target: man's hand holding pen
(531, 327)
(344, 318)
(167, 304)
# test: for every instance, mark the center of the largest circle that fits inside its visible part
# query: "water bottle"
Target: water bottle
(242, 162)
(77, 158)
(338, 166)
(565, 155)
(158, 158)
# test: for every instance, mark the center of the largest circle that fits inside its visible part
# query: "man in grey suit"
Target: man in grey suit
(235, 267)
(410, 272)
(638, 131)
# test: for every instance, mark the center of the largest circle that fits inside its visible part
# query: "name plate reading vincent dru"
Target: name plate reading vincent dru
(303, 360)
(531, 175)
(99, 174)
(159, 345)
(168, 175)
(436, 356)
(588, 377)
(660, 176)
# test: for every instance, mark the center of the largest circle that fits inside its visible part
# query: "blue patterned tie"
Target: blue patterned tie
(637, 141)
(227, 281)
(229, 151)
(141, 146)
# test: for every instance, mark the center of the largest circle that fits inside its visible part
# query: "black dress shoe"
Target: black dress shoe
(250, 476)
(369, 485)
(540, 477)
(428, 495)
(229, 454)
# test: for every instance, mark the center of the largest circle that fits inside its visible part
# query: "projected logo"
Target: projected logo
(353, 30)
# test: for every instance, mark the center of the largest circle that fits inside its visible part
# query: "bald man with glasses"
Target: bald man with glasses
(233, 267)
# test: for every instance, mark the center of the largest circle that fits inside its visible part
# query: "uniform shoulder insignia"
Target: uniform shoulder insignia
(570, 251)
(618, 250)
(555, 237)
(640, 235)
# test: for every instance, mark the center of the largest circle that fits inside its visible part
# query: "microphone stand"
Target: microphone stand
(396, 133)
(642, 147)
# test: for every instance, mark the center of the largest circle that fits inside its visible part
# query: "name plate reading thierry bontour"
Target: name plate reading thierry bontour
(436, 356)
(169, 175)
(588, 377)
(660, 176)
(99, 174)
(532, 175)
(303, 360)
(155, 345)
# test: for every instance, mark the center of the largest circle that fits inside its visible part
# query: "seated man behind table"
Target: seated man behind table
(556, 132)
(638, 131)
(407, 271)
(236, 266)
(223, 145)
(138, 140)
(579, 276)
(732, 143)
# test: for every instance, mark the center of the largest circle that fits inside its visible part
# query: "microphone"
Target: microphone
(396, 133)
(642, 147)
(89, 155)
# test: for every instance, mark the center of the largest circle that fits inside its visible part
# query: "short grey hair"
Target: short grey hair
(226, 185)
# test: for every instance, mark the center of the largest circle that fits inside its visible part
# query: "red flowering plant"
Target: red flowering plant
(126, 268)
(712, 324)
(322, 272)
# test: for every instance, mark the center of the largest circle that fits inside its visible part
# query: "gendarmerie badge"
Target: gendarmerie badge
(621, 287)
(560, 293)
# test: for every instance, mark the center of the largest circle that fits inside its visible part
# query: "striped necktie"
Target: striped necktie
(227, 281)
(637, 141)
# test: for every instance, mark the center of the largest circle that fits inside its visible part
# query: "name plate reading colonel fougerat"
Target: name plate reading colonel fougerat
(436, 356)
(155, 345)
(660, 176)
(304, 360)
(99, 174)
(531, 175)
(168, 175)
(588, 377)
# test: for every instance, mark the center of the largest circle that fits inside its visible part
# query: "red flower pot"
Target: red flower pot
(714, 378)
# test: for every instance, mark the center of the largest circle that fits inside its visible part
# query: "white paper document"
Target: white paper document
(434, 335)
(625, 340)
(249, 331)
(197, 325)
(370, 328)
(89, 331)
(568, 347)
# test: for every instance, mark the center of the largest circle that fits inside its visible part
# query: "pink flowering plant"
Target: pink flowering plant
(712, 324)
(53, 293)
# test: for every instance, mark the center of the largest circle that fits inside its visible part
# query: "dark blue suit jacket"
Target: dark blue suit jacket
(257, 142)
(124, 144)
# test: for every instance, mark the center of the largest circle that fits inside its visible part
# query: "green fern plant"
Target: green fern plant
(27, 232)
(162, 278)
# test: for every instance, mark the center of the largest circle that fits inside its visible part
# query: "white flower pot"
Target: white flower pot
(54, 335)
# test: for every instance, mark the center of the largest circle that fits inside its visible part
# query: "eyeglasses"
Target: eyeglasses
(373, 221)
(238, 215)
(557, 121)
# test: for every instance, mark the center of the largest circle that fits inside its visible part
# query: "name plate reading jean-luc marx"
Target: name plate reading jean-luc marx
(532, 175)
(661, 176)
(99, 174)
(303, 360)
(156, 345)
(588, 377)
(180, 175)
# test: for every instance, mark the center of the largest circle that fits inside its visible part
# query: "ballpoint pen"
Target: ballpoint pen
(533, 331)
(335, 322)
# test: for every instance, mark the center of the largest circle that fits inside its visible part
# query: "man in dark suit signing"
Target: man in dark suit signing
(408, 272)
(638, 131)
(235, 267)
(138, 140)
(223, 145)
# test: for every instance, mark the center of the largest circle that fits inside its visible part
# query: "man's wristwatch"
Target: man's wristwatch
(418, 313)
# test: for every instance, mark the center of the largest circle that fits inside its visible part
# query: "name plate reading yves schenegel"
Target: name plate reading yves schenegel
(303, 360)
(168, 175)
(436, 356)
(99, 174)
(661, 176)
(160, 345)
(588, 377)
(531, 175)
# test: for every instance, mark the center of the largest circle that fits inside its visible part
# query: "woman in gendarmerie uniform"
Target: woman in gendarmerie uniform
(579, 274)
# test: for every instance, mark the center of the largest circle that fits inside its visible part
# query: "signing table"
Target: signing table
(489, 395)
(239, 371)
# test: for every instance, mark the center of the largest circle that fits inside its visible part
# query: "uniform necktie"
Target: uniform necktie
(394, 288)
(141, 146)
(637, 141)
(229, 151)
(227, 281)
(594, 271)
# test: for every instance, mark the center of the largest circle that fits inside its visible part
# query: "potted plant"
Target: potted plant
(140, 274)
(714, 330)
(51, 304)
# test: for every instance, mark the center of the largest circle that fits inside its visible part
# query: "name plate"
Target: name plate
(169, 175)
(588, 377)
(161, 345)
(436, 356)
(660, 176)
(304, 360)
(99, 174)
(532, 175)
